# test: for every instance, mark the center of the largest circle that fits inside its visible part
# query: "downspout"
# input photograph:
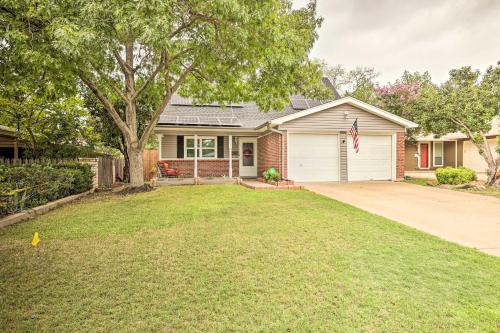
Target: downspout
(282, 147)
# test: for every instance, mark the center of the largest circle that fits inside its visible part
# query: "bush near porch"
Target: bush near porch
(28, 186)
(226, 258)
(455, 176)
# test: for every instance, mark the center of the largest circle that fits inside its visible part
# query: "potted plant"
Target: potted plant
(273, 176)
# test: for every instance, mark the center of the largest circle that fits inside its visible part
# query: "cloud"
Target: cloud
(418, 35)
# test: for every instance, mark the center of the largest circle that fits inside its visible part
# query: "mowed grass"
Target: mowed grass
(226, 258)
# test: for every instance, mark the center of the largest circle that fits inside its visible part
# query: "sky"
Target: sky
(417, 35)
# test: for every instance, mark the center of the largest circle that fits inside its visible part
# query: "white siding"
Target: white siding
(169, 147)
(334, 119)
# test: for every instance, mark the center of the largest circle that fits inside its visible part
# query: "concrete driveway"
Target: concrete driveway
(468, 219)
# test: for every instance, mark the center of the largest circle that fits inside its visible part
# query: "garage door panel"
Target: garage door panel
(374, 160)
(313, 157)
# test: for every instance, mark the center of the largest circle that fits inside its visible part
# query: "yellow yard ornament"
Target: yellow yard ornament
(35, 240)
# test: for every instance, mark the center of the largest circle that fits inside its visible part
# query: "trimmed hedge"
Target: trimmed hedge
(27, 186)
(455, 176)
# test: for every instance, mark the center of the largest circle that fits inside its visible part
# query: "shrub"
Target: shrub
(455, 176)
(272, 174)
(27, 186)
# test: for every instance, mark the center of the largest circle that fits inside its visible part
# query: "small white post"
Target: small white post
(456, 153)
(196, 156)
(230, 156)
(160, 138)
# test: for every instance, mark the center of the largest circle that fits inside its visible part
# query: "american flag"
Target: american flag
(355, 135)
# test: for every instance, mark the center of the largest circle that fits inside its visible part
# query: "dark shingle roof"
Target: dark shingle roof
(181, 112)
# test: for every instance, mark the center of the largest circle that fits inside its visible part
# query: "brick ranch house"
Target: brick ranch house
(308, 141)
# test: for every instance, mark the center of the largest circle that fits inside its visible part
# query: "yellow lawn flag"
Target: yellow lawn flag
(36, 239)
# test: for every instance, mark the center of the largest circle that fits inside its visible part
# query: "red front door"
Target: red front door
(424, 156)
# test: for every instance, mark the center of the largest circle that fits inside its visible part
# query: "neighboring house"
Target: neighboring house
(10, 146)
(308, 141)
(453, 149)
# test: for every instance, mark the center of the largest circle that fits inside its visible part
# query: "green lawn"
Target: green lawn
(226, 258)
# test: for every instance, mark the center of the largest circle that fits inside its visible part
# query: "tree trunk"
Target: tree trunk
(485, 151)
(126, 165)
(136, 165)
(126, 168)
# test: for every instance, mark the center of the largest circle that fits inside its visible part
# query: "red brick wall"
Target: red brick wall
(269, 153)
(400, 155)
(206, 168)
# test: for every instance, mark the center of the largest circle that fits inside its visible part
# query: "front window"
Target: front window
(438, 154)
(207, 147)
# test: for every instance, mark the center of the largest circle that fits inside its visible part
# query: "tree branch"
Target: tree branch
(181, 28)
(110, 83)
(121, 62)
(151, 77)
(107, 105)
(163, 105)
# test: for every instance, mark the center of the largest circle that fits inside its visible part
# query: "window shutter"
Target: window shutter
(220, 147)
(180, 146)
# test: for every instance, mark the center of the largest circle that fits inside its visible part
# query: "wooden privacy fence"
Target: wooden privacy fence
(119, 165)
(105, 171)
(150, 159)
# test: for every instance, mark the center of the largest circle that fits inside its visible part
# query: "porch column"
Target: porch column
(456, 154)
(195, 175)
(230, 156)
(160, 137)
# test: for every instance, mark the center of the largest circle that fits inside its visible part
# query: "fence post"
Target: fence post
(94, 168)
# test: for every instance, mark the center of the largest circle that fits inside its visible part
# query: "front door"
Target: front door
(424, 156)
(248, 157)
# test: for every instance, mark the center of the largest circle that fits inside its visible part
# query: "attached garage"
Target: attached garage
(374, 159)
(313, 157)
(320, 148)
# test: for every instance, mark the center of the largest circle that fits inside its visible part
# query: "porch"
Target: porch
(203, 156)
(423, 157)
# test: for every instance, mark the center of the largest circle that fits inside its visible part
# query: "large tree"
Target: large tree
(358, 82)
(404, 97)
(224, 50)
(467, 103)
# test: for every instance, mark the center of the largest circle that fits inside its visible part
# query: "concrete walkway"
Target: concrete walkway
(468, 219)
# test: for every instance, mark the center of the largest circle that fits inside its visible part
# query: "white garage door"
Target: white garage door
(313, 157)
(374, 160)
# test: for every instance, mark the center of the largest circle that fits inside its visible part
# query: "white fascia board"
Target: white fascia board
(354, 102)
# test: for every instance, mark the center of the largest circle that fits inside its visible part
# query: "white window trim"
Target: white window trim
(434, 154)
(196, 150)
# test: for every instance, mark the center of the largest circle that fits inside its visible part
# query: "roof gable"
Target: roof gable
(351, 101)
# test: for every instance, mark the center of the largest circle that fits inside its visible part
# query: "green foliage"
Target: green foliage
(271, 174)
(27, 186)
(224, 50)
(455, 176)
(464, 103)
